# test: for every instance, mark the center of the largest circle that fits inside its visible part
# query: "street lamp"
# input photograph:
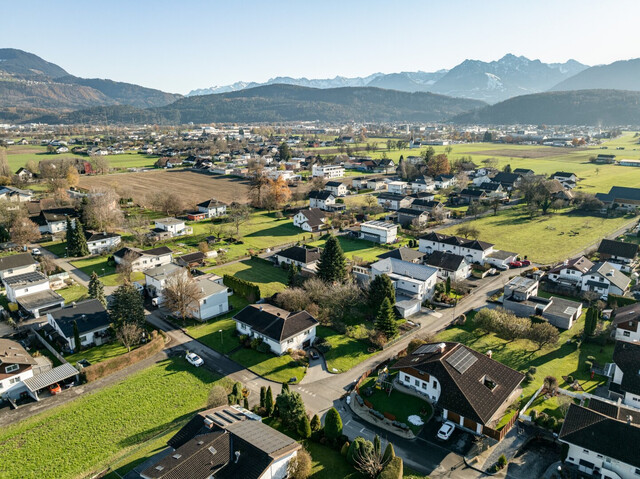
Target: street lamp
(102, 271)
(221, 338)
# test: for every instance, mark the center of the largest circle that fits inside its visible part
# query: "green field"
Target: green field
(561, 360)
(105, 271)
(564, 234)
(270, 278)
(88, 433)
(345, 352)
(366, 250)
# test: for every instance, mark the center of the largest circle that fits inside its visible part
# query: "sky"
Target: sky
(177, 46)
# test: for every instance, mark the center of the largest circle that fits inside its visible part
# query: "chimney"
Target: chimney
(260, 307)
(489, 354)
(208, 422)
(73, 304)
(237, 453)
(441, 348)
(629, 420)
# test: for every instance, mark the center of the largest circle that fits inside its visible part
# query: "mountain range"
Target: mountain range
(487, 81)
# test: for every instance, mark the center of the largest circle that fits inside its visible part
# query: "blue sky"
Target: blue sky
(178, 46)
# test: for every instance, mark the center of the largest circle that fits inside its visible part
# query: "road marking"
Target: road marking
(347, 423)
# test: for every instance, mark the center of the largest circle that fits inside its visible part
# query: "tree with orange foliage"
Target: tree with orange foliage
(439, 165)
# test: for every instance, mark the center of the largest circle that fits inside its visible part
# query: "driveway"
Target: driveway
(533, 460)
(316, 371)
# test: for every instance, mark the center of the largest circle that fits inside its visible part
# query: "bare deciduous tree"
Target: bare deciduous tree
(169, 203)
(24, 231)
(129, 334)
(48, 265)
(369, 462)
(125, 267)
(182, 295)
(102, 211)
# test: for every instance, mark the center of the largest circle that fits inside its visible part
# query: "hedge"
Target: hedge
(393, 469)
(619, 300)
(246, 289)
(110, 366)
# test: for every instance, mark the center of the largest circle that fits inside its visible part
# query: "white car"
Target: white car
(194, 359)
(446, 430)
(36, 252)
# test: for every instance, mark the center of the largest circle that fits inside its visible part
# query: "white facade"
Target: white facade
(430, 388)
(630, 399)
(12, 386)
(279, 348)
(147, 261)
(323, 204)
(214, 302)
(385, 232)
(213, 211)
(103, 245)
(86, 338)
(16, 291)
(609, 468)
(340, 190)
(156, 279)
(8, 273)
(172, 225)
(470, 255)
(327, 171)
(397, 187)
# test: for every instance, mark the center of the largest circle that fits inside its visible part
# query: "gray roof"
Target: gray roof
(89, 315)
(40, 299)
(12, 352)
(404, 268)
(163, 271)
(563, 307)
(57, 374)
(501, 254)
(208, 287)
(403, 253)
(101, 236)
(16, 261)
(611, 274)
(169, 221)
(260, 436)
(620, 193)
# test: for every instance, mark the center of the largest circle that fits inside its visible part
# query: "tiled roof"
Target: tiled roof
(623, 314)
(613, 275)
(618, 248)
(446, 261)
(275, 323)
(404, 268)
(300, 254)
(12, 352)
(627, 358)
(88, 315)
(581, 264)
(16, 261)
(457, 241)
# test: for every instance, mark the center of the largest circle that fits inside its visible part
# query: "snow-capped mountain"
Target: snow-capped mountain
(488, 81)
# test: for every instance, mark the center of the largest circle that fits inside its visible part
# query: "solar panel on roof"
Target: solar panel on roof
(461, 360)
(426, 348)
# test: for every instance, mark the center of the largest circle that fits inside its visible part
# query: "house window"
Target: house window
(637, 471)
(416, 382)
(424, 385)
(289, 341)
(626, 334)
(407, 378)
(435, 383)
(11, 368)
(586, 451)
(14, 380)
(204, 301)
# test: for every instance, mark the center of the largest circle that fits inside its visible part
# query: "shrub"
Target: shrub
(217, 397)
(345, 448)
(359, 444)
(333, 424)
(263, 347)
(393, 469)
(246, 289)
(551, 423)
(300, 466)
(502, 461)
(570, 379)
(389, 453)
(529, 377)
(316, 425)
(588, 365)
(533, 414)
(255, 342)
(322, 345)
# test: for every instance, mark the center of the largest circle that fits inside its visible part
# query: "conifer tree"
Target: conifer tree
(263, 395)
(316, 425)
(76, 336)
(96, 289)
(80, 240)
(386, 320)
(268, 401)
(380, 288)
(127, 306)
(332, 266)
(70, 238)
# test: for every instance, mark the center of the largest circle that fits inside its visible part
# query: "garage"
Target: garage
(42, 381)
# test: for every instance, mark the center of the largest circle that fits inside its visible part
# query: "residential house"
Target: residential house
(509, 181)
(379, 232)
(449, 265)
(625, 383)
(143, 259)
(500, 258)
(99, 243)
(568, 180)
(212, 208)
(336, 188)
(626, 321)
(224, 442)
(413, 283)
(469, 388)
(605, 159)
(404, 254)
(91, 318)
(411, 216)
(54, 220)
(24, 174)
(15, 195)
(376, 184)
(327, 171)
(191, 260)
(468, 196)
(392, 201)
(17, 264)
(423, 184)
(215, 297)
(602, 440)
(16, 365)
(435, 208)
(359, 183)
(474, 251)
(524, 172)
(444, 181)
(493, 190)
(310, 219)
(618, 253)
(32, 291)
(621, 197)
(156, 278)
(324, 200)
(570, 271)
(397, 187)
(172, 227)
(521, 298)
(557, 190)
(298, 255)
(604, 278)
(280, 329)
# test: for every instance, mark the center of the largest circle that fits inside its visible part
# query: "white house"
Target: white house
(394, 202)
(602, 442)
(10, 193)
(212, 208)
(376, 184)
(322, 199)
(298, 255)
(424, 184)
(91, 318)
(336, 188)
(571, 270)
(379, 231)
(397, 187)
(444, 181)
(215, 297)
(99, 243)
(173, 226)
(280, 329)
(474, 251)
(16, 365)
(17, 264)
(155, 279)
(449, 265)
(625, 382)
(604, 278)
(327, 171)
(54, 220)
(32, 292)
(310, 219)
(144, 259)
(626, 321)
(411, 280)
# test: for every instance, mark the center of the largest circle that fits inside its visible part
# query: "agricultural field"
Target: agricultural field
(566, 233)
(194, 187)
(107, 424)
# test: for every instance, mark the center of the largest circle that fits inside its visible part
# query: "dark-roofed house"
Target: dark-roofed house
(143, 259)
(310, 219)
(410, 216)
(212, 208)
(337, 188)
(404, 254)
(567, 179)
(468, 196)
(277, 327)
(472, 390)
(90, 316)
(191, 260)
(509, 181)
(16, 365)
(619, 252)
(392, 201)
(570, 271)
(449, 265)
(601, 445)
(474, 251)
(623, 197)
(626, 320)
(604, 278)
(626, 377)
(226, 442)
(299, 255)
(17, 264)
(54, 220)
(99, 243)
(323, 200)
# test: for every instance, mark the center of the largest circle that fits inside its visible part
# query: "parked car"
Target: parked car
(446, 430)
(526, 262)
(502, 267)
(515, 264)
(36, 252)
(492, 272)
(55, 389)
(313, 355)
(194, 359)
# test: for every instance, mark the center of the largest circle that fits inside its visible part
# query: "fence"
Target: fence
(46, 344)
(402, 336)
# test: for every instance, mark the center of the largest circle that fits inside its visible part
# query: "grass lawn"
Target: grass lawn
(345, 352)
(276, 368)
(270, 278)
(566, 232)
(98, 354)
(76, 293)
(366, 250)
(397, 403)
(564, 359)
(95, 430)
(56, 247)
(209, 332)
(105, 271)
